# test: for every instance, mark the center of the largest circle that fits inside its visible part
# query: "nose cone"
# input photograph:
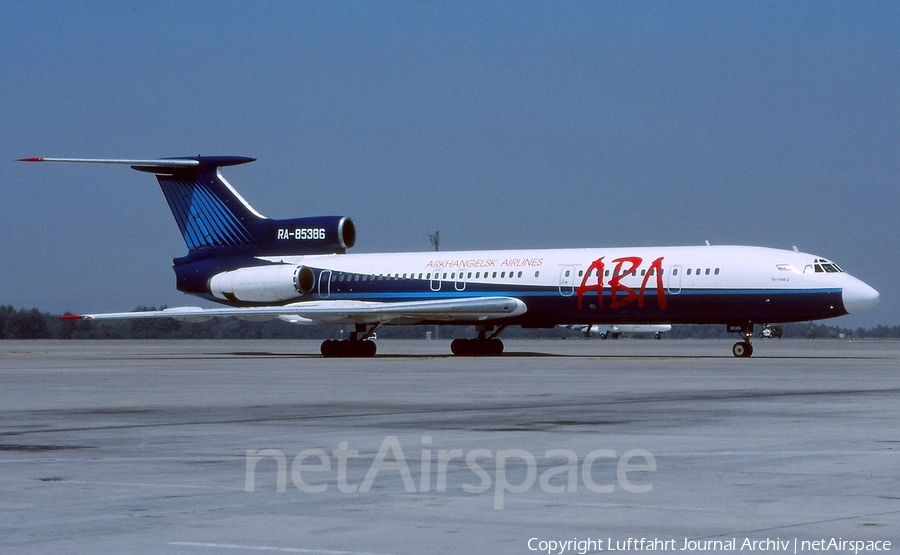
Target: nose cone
(858, 296)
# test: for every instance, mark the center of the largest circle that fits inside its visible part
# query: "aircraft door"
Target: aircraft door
(436, 281)
(325, 284)
(567, 281)
(673, 279)
(460, 282)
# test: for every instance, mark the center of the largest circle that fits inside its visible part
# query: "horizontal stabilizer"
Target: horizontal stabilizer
(159, 163)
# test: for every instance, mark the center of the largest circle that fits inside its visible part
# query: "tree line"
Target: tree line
(33, 324)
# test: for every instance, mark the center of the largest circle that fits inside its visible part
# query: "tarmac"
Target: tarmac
(565, 446)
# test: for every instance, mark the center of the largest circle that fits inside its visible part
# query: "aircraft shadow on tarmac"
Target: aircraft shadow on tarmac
(528, 354)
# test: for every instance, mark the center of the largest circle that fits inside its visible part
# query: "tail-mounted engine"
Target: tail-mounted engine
(263, 284)
(316, 235)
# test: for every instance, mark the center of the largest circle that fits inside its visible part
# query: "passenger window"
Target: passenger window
(520, 274)
(688, 271)
(453, 275)
(580, 273)
(469, 276)
(356, 277)
(698, 271)
(606, 274)
(568, 273)
(503, 274)
(537, 274)
(495, 274)
(477, 275)
(707, 271)
(428, 275)
(445, 275)
(717, 271)
(674, 271)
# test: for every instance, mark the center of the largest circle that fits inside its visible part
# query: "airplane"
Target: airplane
(299, 270)
(614, 331)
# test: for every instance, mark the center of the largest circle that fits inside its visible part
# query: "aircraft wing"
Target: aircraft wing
(342, 311)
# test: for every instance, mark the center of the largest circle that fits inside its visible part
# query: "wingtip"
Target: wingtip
(31, 159)
(72, 317)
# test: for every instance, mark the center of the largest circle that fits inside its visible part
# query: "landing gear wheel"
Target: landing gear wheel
(458, 346)
(348, 348)
(369, 349)
(476, 347)
(328, 348)
(495, 347)
(742, 349)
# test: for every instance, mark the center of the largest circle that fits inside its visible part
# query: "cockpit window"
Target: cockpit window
(826, 266)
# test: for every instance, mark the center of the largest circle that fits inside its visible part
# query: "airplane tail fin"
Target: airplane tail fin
(208, 211)
(211, 214)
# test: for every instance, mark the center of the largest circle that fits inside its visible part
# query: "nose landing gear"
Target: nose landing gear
(742, 349)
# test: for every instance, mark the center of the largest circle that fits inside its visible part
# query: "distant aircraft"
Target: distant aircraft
(298, 270)
(614, 331)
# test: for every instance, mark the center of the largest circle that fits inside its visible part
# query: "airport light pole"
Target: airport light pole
(435, 240)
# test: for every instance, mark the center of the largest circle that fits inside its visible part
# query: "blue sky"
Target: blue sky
(503, 125)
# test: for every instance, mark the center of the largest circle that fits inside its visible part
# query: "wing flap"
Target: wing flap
(342, 311)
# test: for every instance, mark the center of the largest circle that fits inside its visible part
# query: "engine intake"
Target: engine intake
(304, 280)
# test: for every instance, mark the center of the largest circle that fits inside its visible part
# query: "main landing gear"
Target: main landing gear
(481, 346)
(355, 347)
(742, 349)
